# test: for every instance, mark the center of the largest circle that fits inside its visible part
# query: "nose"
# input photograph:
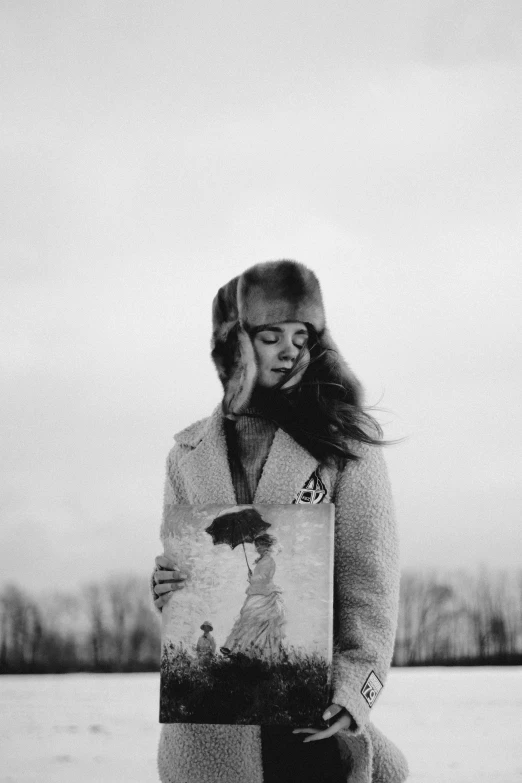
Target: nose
(288, 350)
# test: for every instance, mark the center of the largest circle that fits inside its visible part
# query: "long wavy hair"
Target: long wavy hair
(322, 412)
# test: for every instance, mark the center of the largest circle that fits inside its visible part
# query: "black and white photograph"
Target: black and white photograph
(260, 259)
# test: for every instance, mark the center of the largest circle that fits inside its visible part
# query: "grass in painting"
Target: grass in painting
(240, 689)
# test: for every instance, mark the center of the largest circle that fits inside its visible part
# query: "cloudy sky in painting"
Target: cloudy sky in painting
(150, 152)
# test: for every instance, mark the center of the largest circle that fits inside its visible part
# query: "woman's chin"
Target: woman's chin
(275, 383)
(292, 382)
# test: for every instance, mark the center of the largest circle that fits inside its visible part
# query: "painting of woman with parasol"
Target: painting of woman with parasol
(263, 576)
(259, 629)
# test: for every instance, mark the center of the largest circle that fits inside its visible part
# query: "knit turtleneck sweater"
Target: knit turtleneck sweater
(248, 442)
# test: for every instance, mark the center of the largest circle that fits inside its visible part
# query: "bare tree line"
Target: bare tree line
(460, 618)
(109, 626)
(444, 618)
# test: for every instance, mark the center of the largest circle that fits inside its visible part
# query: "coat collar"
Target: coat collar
(192, 435)
(206, 470)
(205, 467)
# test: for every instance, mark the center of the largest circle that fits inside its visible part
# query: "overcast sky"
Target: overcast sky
(150, 152)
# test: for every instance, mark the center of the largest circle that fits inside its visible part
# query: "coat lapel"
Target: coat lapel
(286, 469)
(205, 469)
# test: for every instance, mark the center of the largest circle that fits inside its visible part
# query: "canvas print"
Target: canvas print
(248, 640)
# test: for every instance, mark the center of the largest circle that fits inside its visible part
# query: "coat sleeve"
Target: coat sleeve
(172, 495)
(367, 576)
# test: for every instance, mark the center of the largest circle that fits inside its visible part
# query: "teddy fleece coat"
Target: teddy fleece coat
(366, 583)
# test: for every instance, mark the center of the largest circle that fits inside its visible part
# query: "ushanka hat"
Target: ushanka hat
(268, 293)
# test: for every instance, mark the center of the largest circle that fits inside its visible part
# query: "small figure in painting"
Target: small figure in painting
(259, 629)
(206, 644)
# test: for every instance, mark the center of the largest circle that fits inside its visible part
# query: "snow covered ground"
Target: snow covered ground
(454, 725)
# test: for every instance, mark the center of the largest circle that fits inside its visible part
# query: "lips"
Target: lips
(282, 370)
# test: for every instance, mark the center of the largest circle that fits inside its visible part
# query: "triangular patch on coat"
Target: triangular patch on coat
(314, 490)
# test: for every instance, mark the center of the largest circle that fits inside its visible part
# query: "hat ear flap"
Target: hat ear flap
(224, 325)
(242, 377)
(350, 381)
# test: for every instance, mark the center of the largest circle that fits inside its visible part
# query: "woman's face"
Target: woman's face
(262, 548)
(277, 347)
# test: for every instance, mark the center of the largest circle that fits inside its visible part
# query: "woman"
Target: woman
(259, 629)
(291, 417)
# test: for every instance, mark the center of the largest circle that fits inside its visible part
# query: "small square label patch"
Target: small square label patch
(371, 688)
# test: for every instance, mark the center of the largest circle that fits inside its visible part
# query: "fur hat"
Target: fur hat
(268, 293)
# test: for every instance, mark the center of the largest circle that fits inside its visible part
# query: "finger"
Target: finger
(168, 587)
(161, 589)
(320, 735)
(167, 576)
(162, 597)
(344, 722)
(164, 562)
(332, 711)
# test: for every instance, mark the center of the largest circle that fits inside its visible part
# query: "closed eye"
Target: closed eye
(298, 344)
(273, 335)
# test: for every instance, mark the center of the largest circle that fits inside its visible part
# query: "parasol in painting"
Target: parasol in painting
(235, 526)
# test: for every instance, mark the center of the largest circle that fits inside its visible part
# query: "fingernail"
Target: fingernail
(327, 715)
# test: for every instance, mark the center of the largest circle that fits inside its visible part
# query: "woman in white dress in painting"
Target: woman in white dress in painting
(259, 629)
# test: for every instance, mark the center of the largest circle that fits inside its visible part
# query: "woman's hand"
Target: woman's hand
(343, 721)
(167, 579)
